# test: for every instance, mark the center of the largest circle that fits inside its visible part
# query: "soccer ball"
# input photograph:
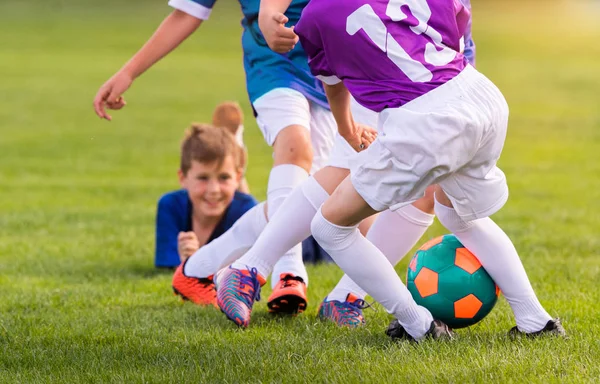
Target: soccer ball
(444, 277)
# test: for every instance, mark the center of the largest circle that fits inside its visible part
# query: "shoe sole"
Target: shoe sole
(287, 304)
(184, 299)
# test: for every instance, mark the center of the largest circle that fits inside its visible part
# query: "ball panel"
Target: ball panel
(467, 307)
(466, 260)
(426, 282)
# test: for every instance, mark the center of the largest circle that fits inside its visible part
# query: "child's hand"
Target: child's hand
(361, 137)
(109, 94)
(280, 38)
(187, 244)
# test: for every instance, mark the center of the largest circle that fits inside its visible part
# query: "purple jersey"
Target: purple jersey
(387, 52)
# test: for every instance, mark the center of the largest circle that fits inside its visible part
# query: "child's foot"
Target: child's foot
(237, 290)
(553, 327)
(345, 314)
(289, 295)
(198, 291)
(228, 115)
(437, 331)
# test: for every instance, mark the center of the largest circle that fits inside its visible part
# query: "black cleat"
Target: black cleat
(437, 331)
(553, 327)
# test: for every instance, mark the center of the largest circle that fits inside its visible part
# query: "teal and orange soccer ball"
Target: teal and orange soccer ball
(446, 278)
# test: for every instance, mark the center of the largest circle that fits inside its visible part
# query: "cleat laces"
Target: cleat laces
(251, 280)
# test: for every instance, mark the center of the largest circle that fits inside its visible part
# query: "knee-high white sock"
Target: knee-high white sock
(368, 267)
(283, 179)
(288, 227)
(499, 257)
(228, 247)
(395, 234)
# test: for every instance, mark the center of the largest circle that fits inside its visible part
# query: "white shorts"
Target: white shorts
(282, 107)
(342, 152)
(451, 136)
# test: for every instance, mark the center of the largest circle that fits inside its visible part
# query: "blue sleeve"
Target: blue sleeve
(469, 51)
(200, 9)
(169, 222)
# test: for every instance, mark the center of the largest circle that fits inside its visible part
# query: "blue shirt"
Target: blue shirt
(265, 69)
(174, 215)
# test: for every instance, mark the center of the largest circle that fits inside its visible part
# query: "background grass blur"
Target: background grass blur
(79, 298)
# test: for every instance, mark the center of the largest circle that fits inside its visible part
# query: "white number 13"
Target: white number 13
(366, 19)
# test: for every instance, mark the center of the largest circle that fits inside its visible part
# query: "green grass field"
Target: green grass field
(80, 300)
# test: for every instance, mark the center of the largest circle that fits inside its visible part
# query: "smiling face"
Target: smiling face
(211, 186)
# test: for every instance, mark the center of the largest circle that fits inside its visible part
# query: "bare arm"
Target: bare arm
(172, 31)
(339, 102)
(357, 135)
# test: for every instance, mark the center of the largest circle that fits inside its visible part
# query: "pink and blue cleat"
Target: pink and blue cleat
(346, 313)
(237, 290)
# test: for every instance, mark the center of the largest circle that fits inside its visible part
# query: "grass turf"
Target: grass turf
(80, 300)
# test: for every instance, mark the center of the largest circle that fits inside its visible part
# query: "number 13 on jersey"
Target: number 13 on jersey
(435, 53)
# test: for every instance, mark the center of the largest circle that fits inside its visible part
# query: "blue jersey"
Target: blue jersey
(174, 215)
(265, 69)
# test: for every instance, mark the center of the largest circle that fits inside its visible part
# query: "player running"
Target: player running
(441, 122)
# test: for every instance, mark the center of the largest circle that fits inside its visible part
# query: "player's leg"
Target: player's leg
(394, 233)
(498, 256)
(466, 199)
(335, 228)
(289, 278)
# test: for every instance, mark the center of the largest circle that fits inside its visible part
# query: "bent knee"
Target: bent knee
(293, 146)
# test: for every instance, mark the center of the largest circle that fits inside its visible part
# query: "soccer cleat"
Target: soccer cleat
(553, 327)
(345, 314)
(198, 291)
(237, 290)
(288, 296)
(437, 331)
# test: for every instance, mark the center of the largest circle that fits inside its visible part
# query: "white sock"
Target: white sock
(498, 256)
(367, 266)
(288, 263)
(228, 247)
(395, 233)
(283, 179)
(279, 245)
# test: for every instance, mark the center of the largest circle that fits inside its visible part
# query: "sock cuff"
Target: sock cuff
(314, 192)
(415, 215)
(450, 219)
(286, 176)
(409, 315)
(332, 236)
